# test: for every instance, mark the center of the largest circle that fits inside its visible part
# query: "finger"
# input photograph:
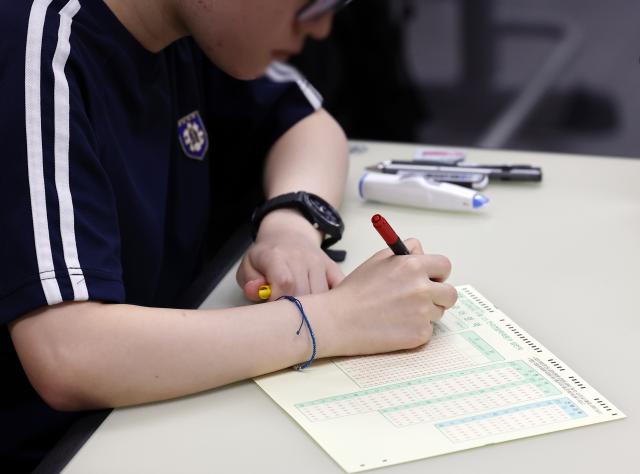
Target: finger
(443, 295)
(435, 313)
(438, 267)
(300, 284)
(318, 280)
(252, 287)
(246, 271)
(277, 273)
(334, 274)
(382, 254)
(414, 246)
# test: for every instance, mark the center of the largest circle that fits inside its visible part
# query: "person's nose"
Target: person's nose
(318, 28)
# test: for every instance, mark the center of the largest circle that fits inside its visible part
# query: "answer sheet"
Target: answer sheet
(480, 380)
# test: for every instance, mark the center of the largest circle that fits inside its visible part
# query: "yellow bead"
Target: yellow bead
(264, 292)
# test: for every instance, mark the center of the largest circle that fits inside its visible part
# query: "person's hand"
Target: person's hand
(287, 255)
(388, 303)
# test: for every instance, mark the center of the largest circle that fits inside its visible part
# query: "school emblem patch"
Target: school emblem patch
(193, 136)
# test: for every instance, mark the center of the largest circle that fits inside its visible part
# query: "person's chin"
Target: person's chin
(281, 56)
(248, 72)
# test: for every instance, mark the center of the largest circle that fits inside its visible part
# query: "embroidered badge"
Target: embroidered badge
(193, 136)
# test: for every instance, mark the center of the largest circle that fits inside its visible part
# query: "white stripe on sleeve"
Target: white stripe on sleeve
(34, 151)
(35, 156)
(281, 72)
(61, 149)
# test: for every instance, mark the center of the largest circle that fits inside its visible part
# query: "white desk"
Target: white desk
(561, 258)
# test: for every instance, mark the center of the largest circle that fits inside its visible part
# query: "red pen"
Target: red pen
(389, 235)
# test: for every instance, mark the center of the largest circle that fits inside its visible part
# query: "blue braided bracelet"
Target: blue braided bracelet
(305, 320)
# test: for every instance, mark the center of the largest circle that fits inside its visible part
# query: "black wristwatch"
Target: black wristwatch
(322, 215)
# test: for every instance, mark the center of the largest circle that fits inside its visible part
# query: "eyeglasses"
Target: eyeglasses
(316, 8)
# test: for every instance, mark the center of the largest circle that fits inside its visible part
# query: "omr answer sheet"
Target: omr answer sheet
(480, 380)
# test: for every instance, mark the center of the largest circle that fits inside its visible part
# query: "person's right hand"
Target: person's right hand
(389, 302)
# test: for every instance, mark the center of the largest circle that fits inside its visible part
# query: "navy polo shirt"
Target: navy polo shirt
(116, 163)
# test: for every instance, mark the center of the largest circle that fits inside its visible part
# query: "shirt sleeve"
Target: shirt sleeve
(290, 97)
(60, 238)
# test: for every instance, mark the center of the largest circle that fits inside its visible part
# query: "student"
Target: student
(133, 133)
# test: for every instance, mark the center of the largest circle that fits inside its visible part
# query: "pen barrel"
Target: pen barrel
(399, 248)
(525, 174)
(389, 235)
(493, 172)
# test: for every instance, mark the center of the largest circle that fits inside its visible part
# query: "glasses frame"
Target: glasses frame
(314, 9)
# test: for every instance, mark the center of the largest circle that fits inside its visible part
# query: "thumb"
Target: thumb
(247, 271)
(249, 279)
(252, 287)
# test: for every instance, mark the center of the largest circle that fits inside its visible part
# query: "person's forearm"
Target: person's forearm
(92, 355)
(312, 156)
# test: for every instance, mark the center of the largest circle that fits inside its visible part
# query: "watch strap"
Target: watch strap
(283, 201)
(302, 201)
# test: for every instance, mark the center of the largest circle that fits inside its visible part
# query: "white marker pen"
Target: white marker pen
(417, 191)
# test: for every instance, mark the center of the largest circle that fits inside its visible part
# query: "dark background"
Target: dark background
(548, 75)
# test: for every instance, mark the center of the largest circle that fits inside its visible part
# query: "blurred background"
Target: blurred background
(546, 75)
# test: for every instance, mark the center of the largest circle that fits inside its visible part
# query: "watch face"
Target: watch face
(325, 210)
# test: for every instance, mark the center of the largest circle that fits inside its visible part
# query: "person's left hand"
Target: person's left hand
(287, 255)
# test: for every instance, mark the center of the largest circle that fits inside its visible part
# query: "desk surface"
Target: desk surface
(561, 258)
